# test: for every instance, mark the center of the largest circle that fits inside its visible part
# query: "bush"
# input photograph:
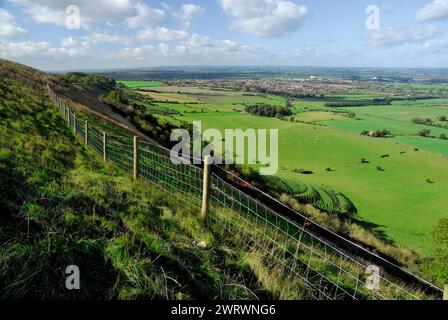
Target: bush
(436, 267)
(377, 133)
(443, 137)
(424, 121)
(424, 133)
(265, 110)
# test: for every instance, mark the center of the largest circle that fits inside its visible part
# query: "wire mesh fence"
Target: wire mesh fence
(287, 247)
(155, 166)
(324, 269)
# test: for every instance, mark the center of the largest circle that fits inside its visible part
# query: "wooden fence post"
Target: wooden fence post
(445, 293)
(104, 146)
(74, 124)
(86, 132)
(206, 188)
(135, 158)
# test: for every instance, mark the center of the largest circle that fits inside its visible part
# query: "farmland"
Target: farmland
(391, 189)
(141, 84)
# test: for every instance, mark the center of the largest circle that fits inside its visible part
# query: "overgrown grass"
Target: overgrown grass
(61, 205)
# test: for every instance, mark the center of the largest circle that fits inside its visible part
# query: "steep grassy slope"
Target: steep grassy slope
(62, 206)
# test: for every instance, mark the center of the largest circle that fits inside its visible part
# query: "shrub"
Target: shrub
(265, 110)
(424, 121)
(424, 133)
(436, 267)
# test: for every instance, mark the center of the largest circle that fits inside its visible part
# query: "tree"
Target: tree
(436, 267)
(442, 118)
(440, 232)
(443, 136)
(424, 133)
(365, 132)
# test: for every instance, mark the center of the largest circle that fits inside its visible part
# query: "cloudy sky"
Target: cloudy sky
(51, 35)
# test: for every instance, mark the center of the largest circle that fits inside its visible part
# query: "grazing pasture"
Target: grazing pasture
(389, 188)
(141, 84)
(169, 97)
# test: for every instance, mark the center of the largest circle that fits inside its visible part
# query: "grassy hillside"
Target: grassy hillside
(62, 206)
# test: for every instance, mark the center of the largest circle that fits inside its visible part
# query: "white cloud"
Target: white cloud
(306, 52)
(388, 6)
(161, 34)
(133, 12)
(145, 17)
(434, 46)
(194, 49)
(29, 50)
(96, 38)
(266, 18)
(8, 27)
(436, 10)
(398, 35)
(187, 14)
(165, 6)
(23, 49)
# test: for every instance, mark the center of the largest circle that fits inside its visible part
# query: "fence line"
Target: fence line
(281, 243)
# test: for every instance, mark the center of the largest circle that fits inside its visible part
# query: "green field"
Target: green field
(142, 84)
(399, 191)
(407, 212)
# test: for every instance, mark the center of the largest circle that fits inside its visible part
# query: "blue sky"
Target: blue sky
(138, 33)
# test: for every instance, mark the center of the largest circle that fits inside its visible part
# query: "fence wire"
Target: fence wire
(282, 244)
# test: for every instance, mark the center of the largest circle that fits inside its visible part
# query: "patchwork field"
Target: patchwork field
(142, 84)
(398, 189)
(169, 97)
(210, 99)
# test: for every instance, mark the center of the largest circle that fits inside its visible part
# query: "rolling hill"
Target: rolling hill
(62, 206)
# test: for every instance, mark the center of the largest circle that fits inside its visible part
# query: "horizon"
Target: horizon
(220, 67)
(129, 34)
(217, 67)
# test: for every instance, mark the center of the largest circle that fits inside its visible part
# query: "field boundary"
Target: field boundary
(327, 271)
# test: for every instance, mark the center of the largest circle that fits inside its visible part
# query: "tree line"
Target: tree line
(266, 110)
